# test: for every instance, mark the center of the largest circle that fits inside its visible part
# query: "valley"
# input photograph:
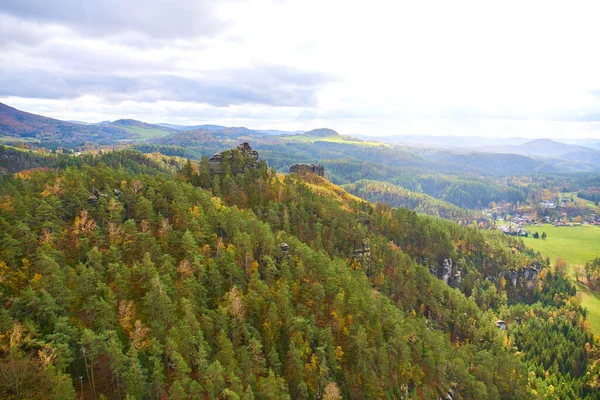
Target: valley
(299, 200)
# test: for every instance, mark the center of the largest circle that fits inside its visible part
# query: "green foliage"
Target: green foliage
(176, 285)
(396, 196)
(592, 273)
(591, 194)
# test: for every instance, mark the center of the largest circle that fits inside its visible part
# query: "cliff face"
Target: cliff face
(303, 168)
(448, 272)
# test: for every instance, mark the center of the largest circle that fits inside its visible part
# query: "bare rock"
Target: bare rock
(316, 169)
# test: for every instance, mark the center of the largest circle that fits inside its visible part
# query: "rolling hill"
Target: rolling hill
(486, 163)
(141, 129)
(190, 127)
(584, 155)
(23, 126)
(321, 132)
(541, 148)
(446, 141)
(209, 127)
(17, 127)
(550, 148)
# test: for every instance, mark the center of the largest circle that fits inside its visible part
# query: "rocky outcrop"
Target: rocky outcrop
(303, 168)
(285, 249)
(95, 196)
(524, 277)
(529, 273)
(249, 158)
(362, 252)
(525, 274)
(448, 272)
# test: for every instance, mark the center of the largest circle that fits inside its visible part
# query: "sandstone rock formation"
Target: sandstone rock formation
(303, 168)
(448, 272)
(248, 158)
(362, 252)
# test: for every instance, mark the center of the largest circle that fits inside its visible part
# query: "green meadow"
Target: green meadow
(577, 245)
(15, 139)
(334, 138)
(146, 133)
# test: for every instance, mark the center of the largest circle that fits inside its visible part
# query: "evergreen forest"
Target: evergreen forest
(132, 276)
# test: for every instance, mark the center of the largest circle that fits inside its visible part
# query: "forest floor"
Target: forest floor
(577, 245)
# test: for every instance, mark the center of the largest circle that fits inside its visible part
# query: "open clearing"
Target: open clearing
(15, 139)
(577, 245)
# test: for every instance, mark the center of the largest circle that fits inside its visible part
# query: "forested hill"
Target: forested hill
(321, 132)
(17, 125)
(152, 278)
(397, 196)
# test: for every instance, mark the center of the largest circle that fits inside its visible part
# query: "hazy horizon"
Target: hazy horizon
(443, 69)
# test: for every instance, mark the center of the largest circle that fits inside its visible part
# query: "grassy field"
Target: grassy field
(146, 133)
(578, 200)
(335, 139)
(15, 139)
(577, 245)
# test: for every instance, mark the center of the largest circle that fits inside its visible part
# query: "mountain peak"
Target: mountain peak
(128, 122)
(544, 142)
(321, 132)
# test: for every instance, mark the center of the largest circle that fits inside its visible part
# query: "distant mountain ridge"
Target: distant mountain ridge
(541, 148)
(444, 141)
(209, 127)
(19, 124)
(132, 122)
(191, 127)
(478, 143)
(552, 148)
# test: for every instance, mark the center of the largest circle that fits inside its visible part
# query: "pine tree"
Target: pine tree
(134, 375)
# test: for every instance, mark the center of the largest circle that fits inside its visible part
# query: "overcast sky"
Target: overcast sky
(503, 68)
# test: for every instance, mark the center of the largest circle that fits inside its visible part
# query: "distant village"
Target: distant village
(515, 220)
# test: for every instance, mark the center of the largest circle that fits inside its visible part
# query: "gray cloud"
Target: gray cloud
(152, 18)
(37, 62)
(271, 85)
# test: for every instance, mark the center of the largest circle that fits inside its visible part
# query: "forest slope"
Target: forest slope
(150, 284)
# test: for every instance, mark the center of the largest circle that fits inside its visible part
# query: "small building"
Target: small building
(548, 204)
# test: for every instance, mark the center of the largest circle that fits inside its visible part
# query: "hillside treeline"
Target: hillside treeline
(397, 196)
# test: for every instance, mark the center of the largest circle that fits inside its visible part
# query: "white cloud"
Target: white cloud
(380, 67)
